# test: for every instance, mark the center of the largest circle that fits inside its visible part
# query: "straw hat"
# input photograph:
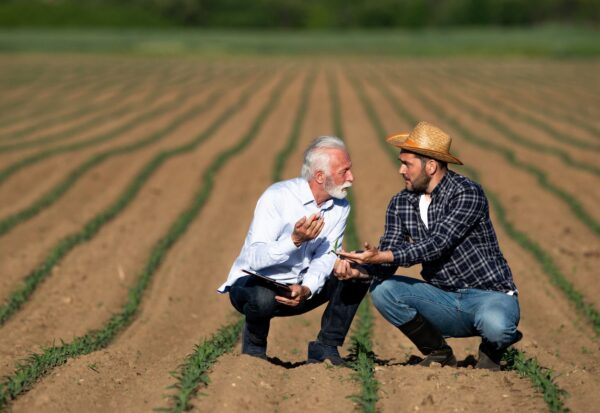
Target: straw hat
(425, 139)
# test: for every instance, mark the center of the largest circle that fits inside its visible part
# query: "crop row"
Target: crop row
(566, 90)
(193, 372)
(522, 104)
(47, 199)
(32, 280)
(104, 136)
(362, 343)
(47, 97)
(543, 257)
(39, 365)
(86, 114)
(379, 130)
(219, 163)
(116, 107)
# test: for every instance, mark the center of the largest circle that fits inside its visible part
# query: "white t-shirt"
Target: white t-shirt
(424, 201)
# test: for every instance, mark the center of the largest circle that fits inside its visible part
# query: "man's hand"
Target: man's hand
(371, 255)
(306, 229)
(299, 293)
(345, 270)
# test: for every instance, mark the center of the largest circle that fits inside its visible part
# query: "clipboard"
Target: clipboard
(280, 287)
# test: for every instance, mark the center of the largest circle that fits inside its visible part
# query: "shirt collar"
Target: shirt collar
(445, 184)
(306, 196)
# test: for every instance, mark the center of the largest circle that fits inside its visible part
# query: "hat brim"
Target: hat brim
(401, 141)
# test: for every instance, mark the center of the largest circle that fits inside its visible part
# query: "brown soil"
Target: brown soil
(94, 192)
(181, 307)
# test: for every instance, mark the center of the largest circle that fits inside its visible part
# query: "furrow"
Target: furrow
(97, 139)
(22, 294)
(58, 190)
(193, 371)
(39, 365)
(362, 346)
(59, 98)
(535, 371)
(524, 100)
(112, 110)
(577, 209)
(544, 258)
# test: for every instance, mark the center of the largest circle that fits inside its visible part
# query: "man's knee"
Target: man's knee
(381, 295)
(253, 302)
(497, 327)
(394, 291)
(384, 296)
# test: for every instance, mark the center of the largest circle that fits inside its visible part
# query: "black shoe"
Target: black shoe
(319, 352)
(250, 348)
(490, 358)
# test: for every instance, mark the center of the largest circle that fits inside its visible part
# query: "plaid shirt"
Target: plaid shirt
(460, 248)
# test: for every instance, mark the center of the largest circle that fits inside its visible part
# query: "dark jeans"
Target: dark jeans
(257, 302)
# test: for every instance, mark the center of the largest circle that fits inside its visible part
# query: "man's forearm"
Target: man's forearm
(384, 257)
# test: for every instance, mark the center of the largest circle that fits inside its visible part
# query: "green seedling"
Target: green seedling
(336, 247)
(539, 376)
(36, 366)
(361, 352)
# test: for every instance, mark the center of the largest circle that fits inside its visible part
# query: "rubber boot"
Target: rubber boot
(429, 341)
(489, 357)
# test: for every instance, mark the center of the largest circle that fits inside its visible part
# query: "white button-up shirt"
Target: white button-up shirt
(269, 249)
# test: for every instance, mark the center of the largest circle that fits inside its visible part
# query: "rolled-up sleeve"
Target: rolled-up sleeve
(393, 236)
(268, 244)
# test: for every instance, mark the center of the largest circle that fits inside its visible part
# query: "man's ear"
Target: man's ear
(320, 177)
(431, 167)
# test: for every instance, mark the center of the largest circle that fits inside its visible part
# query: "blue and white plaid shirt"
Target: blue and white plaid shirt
(458, 250)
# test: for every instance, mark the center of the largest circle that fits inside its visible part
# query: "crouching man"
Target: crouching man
(440, 220)
(296, 225)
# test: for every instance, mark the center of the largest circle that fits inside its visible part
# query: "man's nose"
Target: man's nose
(349, 176)
(402, 169)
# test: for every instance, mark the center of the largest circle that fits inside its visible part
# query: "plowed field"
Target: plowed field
(127, 186)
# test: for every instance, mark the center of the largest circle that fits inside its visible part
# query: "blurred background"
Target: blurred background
(296, 14)
(398, 27)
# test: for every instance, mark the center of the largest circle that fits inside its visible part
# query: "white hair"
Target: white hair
(317, 159)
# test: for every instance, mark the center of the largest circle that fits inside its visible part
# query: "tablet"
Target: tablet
(281, 287)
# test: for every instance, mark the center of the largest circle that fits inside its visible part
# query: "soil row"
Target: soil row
(181, 306)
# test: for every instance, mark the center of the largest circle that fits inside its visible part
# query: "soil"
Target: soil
(181, 307)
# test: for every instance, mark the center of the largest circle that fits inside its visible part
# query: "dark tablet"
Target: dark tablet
(281, 287)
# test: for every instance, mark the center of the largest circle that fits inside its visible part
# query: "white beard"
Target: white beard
(338, 192)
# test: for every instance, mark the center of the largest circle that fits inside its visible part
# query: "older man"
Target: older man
(441, 220)
(296, 225)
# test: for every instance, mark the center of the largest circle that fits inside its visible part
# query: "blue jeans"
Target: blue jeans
(466, 312)
(257, 302)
